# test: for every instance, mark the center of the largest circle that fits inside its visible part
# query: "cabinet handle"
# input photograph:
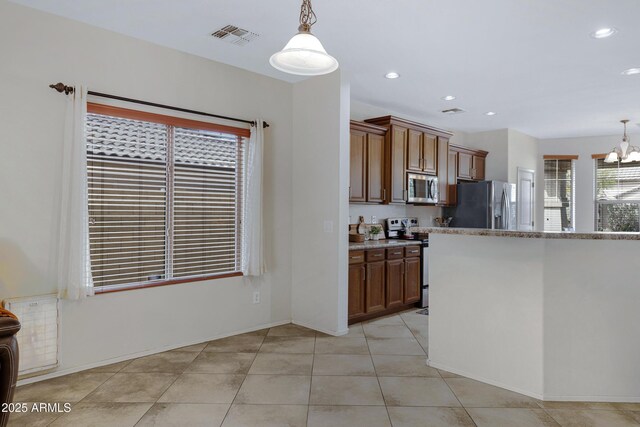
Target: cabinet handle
(384, 194)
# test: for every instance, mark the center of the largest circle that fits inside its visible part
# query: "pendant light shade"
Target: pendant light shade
(304, 55)
(625, 152)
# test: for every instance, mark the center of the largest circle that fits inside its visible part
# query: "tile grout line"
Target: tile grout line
(384, 399)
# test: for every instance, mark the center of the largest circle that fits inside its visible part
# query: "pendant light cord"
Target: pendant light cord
(307, 16)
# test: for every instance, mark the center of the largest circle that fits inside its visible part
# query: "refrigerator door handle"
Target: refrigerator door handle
(503, 210)
(507, 210)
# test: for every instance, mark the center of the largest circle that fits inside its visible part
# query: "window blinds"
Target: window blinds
(617, 181)
(164, 201)
(558, 194)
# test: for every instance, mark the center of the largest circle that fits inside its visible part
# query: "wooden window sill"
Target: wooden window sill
(100, 290)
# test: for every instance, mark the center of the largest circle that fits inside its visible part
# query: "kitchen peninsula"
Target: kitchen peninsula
(537, 313)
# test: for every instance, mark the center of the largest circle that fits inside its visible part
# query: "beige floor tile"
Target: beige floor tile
(258, 333)
(395, 346)
(291, 330)
(355, 331)
(274, 390)
(266, 416)
(474, 394)
(32, 418)
(288, 345)
(634, 415)
(236, 344)
(167, 362)
(196, 348)
(394, 319)
(132, 387)
(591, 418)
(422, 339)
(203, 388)
(351, 416)
(407, 391)
(343, 364)
(222, 363)
(69, 388)
(507, 417)
(387, 331)
(346, 390)
(403, 366)
(431, 417)
(579, 405)
(103, 415)
(184, 414)
(283, 364)
(112, 368)
(341, 345)
(447, 374)
(627, 406)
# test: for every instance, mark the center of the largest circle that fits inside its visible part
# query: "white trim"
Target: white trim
(533, 199)
(73, 370)
(333, 333)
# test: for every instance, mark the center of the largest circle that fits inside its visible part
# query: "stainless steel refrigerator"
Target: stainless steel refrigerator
(485, 204)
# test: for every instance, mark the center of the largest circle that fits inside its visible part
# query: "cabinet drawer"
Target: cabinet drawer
(411, 251)
(395, 253)
(374, 255)
(356, 257)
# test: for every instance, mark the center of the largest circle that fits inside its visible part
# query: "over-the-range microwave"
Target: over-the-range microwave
(422, 188)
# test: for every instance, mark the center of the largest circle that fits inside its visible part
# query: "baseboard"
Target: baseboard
(484, 380)
(59, 373)
(324, 331)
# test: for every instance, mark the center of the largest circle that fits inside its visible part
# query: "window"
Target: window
(164, 198)
(617, 196)
(559, 206)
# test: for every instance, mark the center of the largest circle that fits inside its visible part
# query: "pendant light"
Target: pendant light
(304, 54)
(625, 152)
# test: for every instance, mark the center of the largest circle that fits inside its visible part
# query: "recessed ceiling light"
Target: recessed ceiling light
(448, 98)
(631, 71)
(603, 33)
(392, 75)
(490, 113)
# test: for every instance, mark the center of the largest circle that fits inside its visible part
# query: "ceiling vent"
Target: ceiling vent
(234, 35)
(452, 111)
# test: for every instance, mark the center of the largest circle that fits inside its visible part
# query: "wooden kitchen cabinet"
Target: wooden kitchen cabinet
(477, 172)
(356, 290)
(470, 163)
(375, 287)
(430, 154)
(465, 164)
(452, 178)
(422, 152)
(412, 286)
(395, 166)
(414, 151)
(367, 163)
(395, 282)
(443, 171)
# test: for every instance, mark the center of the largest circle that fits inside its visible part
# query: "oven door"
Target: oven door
(422, 188)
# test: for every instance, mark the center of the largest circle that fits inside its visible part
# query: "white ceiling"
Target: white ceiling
(531, 61)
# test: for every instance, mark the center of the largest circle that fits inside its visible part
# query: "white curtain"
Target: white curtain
(253, 263)
(73, 269)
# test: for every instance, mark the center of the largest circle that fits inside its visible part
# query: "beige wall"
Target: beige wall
(38, 49)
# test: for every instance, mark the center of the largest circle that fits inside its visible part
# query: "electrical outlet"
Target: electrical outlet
(256, 297)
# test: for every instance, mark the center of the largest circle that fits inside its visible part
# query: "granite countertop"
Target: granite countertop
(527, 234)
(380, 244)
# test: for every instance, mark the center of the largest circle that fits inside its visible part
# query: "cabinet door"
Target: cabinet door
(395, 282)
(374, 287)
(430, 154)
(397, 164)
(443, 171)
(358, 167)
(414, 151)
(375, 168)
(478, 168)
(412, 286)
(356, 290)
(452, 178)
(465, 164)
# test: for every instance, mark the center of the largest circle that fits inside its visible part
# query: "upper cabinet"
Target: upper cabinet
(411, 147)
(367, 163)
(443, 171)
(470, 163)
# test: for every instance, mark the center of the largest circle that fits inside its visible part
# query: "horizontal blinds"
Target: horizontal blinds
(560, 157)
(558, 194)
(164, 201)
(617, 181)
(206, 190)
(126, 166)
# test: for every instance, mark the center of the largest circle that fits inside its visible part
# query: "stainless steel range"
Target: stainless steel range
(398, 228)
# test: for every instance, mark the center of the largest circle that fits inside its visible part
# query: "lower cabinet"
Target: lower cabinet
(395, 282)
(412, 286)
(374, 289)
(382, 282)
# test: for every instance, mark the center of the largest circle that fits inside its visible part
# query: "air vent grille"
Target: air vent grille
(452, 111)
(235, 35)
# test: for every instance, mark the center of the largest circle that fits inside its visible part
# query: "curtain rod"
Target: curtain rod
(61, 87)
